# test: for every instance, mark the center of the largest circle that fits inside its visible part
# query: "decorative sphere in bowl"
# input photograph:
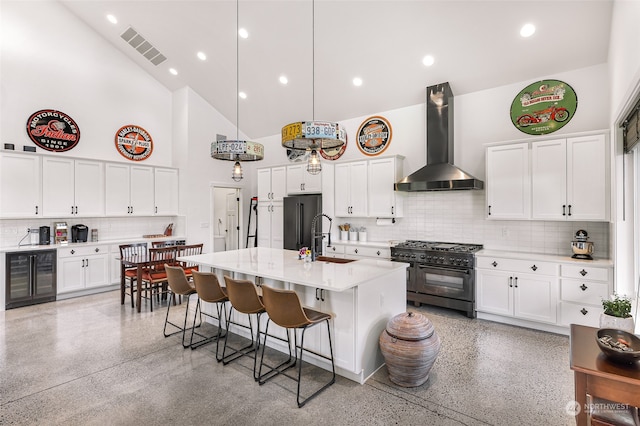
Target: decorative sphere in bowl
(619, 345)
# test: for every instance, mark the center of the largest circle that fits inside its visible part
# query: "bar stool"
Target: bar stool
(209, 290)
(244, 298)
(178, 284)
(284, 309)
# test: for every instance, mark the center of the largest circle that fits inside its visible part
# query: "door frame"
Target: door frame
(212, 226)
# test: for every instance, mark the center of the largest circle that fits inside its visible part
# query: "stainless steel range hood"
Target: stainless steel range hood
(439, 174)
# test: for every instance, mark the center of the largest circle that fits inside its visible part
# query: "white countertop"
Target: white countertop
(544, 257)
(88, 243)
(284, 265)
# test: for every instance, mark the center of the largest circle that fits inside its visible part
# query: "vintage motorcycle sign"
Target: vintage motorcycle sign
(134, 143)
(544, 107)
(53, 130)
(374, 135)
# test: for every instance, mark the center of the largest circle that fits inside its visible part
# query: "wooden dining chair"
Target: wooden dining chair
(154, 276)
(188, 250)
(130, 274)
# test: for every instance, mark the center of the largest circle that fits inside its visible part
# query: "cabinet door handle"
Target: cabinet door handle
(510, 281)
(494, 263)
(583, 272)
(378, 252)
(564, 210)
(84, 262)
(73, 252)
(569, 209)
(317, 297)
(322, 294)
(516, 282)
(489, 211)
(583, 311)
(76, 209)
(534, 268)
(392, 210)
(583, 287)
(36, 209)
(71, 209)
(131, 209)
(156, 209)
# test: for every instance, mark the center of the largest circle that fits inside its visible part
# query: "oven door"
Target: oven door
(455, 283)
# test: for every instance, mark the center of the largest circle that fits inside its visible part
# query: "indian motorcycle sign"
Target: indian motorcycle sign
(134, 143)
(53, 130)
(543, 107)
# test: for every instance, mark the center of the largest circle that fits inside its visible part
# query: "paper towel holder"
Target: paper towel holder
(393, 219)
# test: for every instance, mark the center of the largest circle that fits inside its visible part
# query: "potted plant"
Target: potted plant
(617, 313)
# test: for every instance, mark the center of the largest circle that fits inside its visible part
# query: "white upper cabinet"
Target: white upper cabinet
(129, 190)
(570, 179)
(20, 185)
(299, 181)
(508, 182)
(384, 200)
(272, 184)
(72, 187)
(166, 191)
(351, 189)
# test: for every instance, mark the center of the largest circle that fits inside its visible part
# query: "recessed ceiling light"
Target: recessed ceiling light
(202, 56)
(527, 30)
(173, 71)
(283, 79)
(112, 19)
(243, 33)
(242, 95)
(357, 81)
(428, 60)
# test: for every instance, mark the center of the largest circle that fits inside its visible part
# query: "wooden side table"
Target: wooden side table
(595, 375)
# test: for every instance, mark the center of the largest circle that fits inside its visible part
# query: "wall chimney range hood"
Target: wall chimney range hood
(439, 174)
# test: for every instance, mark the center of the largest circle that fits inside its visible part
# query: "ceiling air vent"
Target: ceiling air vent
(146, 49)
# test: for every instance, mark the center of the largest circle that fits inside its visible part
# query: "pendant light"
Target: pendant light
(237, 150)
(313, 135)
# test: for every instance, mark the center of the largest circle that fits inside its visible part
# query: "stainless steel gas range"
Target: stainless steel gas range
(441, 274)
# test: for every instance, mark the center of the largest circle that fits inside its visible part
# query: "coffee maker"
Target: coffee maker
(79, 233)
(45, 235)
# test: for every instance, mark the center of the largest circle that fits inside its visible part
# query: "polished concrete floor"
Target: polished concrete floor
(89, 360)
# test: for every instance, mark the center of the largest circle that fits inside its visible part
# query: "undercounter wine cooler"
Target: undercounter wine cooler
(31, 278)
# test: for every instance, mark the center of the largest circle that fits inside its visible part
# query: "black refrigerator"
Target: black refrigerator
(31, 278)
(299, 212)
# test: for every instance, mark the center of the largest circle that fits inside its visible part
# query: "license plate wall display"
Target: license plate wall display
(543, 107)
(133, 142)
(335, 153)
(374, 136)
(53, 130)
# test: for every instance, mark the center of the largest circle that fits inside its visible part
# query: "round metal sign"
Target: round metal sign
(53, 130)
(543, 107)
(134, 143)
(374, 135)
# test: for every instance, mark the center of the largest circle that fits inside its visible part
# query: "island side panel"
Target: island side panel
(378, 301)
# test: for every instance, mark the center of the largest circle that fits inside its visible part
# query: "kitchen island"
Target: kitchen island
(361, 296)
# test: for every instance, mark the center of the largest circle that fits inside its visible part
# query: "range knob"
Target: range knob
(441, 260)
(422, 256)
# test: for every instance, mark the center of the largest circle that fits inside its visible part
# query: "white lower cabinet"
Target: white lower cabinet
(582, 289)
(541, 294)
(81, 268)
(356, 251)
(340, 304)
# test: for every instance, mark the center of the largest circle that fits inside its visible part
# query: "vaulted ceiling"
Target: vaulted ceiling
(321, 45)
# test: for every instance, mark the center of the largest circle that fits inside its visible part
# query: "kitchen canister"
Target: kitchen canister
(410, 346)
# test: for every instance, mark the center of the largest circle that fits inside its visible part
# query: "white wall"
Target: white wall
(624, 63)
(51, 59)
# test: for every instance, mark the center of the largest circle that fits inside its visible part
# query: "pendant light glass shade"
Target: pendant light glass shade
(237, 172)
(314, 166)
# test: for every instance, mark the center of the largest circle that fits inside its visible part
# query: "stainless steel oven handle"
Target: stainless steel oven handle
(438, 268)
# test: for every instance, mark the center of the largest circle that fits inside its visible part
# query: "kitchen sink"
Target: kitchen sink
(333, 259)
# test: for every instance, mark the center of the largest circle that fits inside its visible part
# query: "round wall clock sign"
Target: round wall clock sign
(543, 107)
(374, 136)
(53, 130)
(134, 143)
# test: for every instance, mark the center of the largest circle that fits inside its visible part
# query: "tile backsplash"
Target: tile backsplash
(459, 216)
(113, 228)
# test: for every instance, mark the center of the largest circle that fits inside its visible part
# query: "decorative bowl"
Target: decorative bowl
(619, 355)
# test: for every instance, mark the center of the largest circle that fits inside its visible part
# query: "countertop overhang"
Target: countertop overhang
(284, 265)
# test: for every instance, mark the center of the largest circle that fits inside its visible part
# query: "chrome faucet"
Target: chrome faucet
(318, 235)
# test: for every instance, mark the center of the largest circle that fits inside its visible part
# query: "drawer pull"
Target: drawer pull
(97, 249)
(583, 311)
(356, 250)
(73, 252)
(583, 272)
(534, 267)
(378, 252)
(494, 263)
(583, 287)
